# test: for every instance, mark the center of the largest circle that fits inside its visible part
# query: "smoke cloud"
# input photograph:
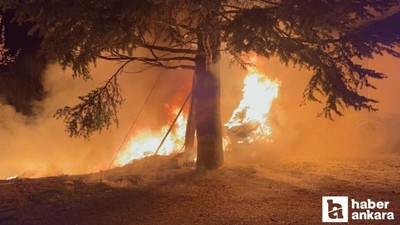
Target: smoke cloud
(298, 132)
(38, 146)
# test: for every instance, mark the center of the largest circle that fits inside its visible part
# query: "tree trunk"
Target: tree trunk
(206, 101)
(190, 129)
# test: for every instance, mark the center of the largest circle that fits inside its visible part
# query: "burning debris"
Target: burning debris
(147, 142)
(249, 121)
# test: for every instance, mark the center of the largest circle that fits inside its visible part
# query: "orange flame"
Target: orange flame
(146, 142)
(249, 121)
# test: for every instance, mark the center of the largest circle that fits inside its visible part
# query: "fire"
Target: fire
(146, 142)
(249, 121)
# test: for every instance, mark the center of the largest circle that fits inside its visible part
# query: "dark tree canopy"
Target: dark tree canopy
(5, 56)
(323, 36)
(21, 67)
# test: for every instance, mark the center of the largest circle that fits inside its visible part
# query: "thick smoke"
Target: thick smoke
(38, 146)
(298, 132)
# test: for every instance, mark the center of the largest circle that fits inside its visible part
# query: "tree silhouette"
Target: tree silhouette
(21, 66)
(5, 56)
(323, 36)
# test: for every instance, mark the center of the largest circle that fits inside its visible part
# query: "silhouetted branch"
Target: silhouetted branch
(167, 49)
(98, 109)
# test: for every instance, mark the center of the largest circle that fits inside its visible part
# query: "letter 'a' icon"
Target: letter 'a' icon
(335, 209)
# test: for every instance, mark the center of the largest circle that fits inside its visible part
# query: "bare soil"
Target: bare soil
(159, 191)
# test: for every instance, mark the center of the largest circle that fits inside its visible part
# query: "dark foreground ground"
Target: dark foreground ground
(155, 191)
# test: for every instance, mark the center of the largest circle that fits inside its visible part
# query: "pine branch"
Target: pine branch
(121, 57)
(167, 49)
(98, 109)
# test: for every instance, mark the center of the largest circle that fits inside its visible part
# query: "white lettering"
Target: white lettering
(386, 205)
(377, 216)
(363, 205)
(390, 216)
(354, 216)
(355, 204)
(369, 215)
(369, 204)
(365, 210)
(380, 205)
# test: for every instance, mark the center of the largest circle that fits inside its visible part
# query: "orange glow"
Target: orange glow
(11, 178)
(146, 142)
(258, 94)
(249, 121)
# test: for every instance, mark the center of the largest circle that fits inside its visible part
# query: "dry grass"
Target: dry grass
(157, 191)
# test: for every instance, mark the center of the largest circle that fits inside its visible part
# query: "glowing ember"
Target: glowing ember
(146, 142)
(248, 122)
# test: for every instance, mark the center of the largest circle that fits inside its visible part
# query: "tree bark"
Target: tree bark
(206, 101)
(190, 129)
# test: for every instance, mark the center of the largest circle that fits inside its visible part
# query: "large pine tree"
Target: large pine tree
(320, 35)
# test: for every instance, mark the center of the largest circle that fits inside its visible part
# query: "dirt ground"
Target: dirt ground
(158, 191)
